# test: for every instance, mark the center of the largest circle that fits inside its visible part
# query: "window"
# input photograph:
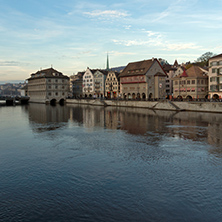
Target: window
(193, 81)
(213, 70)
(188, 82)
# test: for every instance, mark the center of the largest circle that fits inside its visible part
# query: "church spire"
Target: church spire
(107, 63)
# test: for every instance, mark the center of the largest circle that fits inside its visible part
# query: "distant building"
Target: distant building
(76, 84)
(144, 79)
(191, 84)
(48, 86)
(215, 77)
(170, 71)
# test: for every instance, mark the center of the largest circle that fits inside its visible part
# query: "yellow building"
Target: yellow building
(191, 84)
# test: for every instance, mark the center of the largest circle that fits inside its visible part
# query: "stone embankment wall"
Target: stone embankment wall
(215, 107)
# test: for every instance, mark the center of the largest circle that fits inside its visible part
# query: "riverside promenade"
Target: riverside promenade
(213, 107)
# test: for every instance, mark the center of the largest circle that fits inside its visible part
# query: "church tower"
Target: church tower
(107, 63)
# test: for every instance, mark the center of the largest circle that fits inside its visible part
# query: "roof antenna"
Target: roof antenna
(51, 66)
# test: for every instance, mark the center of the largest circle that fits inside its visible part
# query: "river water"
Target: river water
(85, 163)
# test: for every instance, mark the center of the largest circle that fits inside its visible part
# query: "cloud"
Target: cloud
(156, 39)
(107, 14)
(9, 63)
(180, 46)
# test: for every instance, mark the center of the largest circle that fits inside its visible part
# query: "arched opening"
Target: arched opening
(85, 95)
(133, 96)
(62, 102)
(124, 95)
(53, 102)
(90, 95)
(179, 98)
(215, 97)
(189, 98)
(143, 95)
(129, 96)
(138, 96)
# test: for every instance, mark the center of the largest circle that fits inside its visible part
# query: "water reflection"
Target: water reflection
(186, 125)
(46, 118)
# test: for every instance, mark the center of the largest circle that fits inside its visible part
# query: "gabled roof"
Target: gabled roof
(184, 74)
(176, 63)
(137, 68)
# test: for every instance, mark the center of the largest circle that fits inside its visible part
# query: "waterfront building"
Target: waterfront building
(170, 71)
(215, 77)
(112, 85)
(48, 86)
(144, 79)
(88, 88)
(191, 84)
(76, 84)
(99, 83)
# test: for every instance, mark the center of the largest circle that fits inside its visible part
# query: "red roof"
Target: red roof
(184, 74)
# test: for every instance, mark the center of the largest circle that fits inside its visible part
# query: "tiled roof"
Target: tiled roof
(137, 68)
(48, 73)
(193, 71)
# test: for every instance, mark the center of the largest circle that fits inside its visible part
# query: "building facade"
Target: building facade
(99, 83)
(191, 84)
(215, 77)
(48, 86)
(112, 85)
(143, 80)
(77, 84)
(170, 71)
(88, 88)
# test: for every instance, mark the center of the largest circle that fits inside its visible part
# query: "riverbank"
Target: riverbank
(214, 107)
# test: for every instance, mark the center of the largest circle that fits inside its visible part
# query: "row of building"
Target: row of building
(147, 79)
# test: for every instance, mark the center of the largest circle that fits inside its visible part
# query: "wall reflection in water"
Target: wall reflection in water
(187, 125)
(45, 117)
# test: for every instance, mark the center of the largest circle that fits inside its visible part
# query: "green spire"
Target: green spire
(107, 63)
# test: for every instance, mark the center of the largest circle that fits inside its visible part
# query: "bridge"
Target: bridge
(14, 100)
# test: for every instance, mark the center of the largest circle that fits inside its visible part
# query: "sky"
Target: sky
(72, 35)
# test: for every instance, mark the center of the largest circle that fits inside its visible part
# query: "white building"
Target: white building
(215, 77)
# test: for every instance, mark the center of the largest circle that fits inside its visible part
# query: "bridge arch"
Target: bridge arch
(53, 102)
(62, 102)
